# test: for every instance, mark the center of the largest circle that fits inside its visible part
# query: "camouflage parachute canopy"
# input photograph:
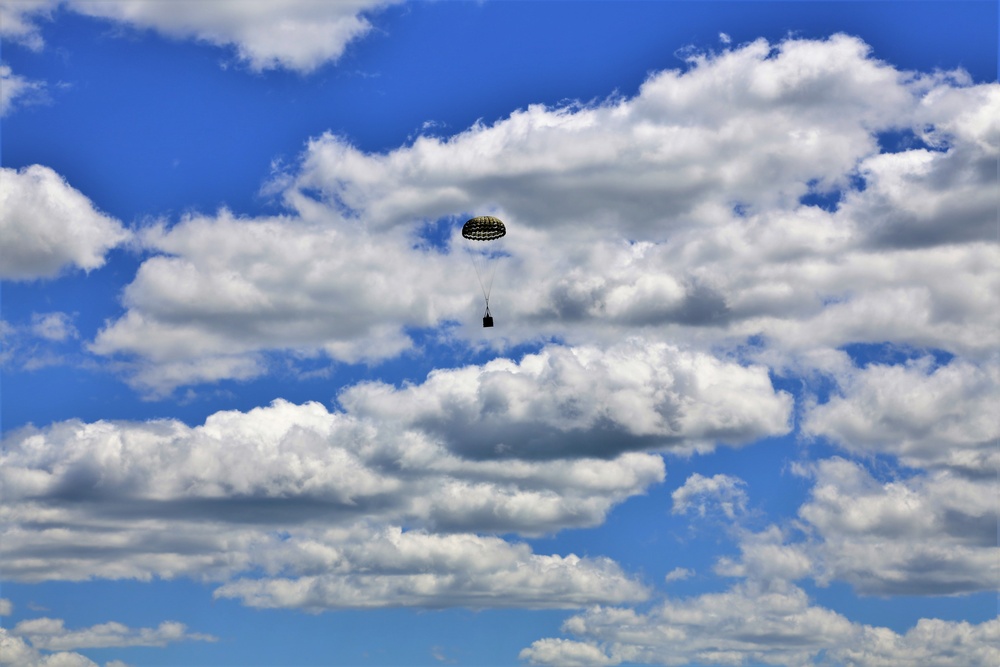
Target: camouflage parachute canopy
(483, 228)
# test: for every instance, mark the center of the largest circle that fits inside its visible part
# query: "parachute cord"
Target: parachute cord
(485, 265)
(493, 274)
(498, 251)
(480, 268)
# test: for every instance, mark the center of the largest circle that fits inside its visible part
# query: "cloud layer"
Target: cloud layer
(391, 501)
(930, 534)
(317, 500)
(687, 211)
(752, 209)
(776, 626)
(764, 617)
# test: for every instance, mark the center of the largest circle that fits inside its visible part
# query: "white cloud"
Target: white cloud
(6, 607)
(300, 35)
(676, 212)
(767, 557)
(228, 288)
(744, 624)
(17, 652)
(345, 465)
(17, 21)
(927, 417)
(53, 326)
(585, 400)
(45, 642)
(318, 500)
(709, 495)
(739, 127)
(678, 574)
(930, 534)
(395, 568)
(931, 642)
(16, 89)
(566, 652)
(48, 226)
(50, 634)
(749, 625)
(762, 619)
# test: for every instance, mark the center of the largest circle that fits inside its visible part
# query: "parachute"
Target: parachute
(484, 242)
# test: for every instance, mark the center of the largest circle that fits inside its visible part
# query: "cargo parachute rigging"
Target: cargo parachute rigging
(484, 242)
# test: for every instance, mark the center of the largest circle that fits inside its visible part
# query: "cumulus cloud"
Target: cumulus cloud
(396, 568)
(930, 534)
(337, 509)
(768, 120)
(709, 495)
(48, 226)
(227, 288)
(45, 642)
(53, 326)
(762, 619)
(933, 533)
(931, 642)
(50, 634)
(17, 652)
(566, 652)
(767, 557)
(747, 625)
(299, 35)
(571, 401)
(384, 501)
(678, 574)
(678, 211)
(927, 416)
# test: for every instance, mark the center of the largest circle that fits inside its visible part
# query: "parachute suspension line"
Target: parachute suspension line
(493, 269)
(484, 229)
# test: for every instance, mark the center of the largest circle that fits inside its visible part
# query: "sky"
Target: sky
(738, 406)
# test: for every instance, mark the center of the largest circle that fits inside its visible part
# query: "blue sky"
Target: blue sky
(737, 407)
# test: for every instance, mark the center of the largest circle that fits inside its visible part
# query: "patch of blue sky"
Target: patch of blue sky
(904, 139)
(259, 637)
(436, 235)
(647, 537)
(826, 199)
(900, 612)
(887, 353)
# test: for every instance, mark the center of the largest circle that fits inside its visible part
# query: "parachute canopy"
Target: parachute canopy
(484, 228)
